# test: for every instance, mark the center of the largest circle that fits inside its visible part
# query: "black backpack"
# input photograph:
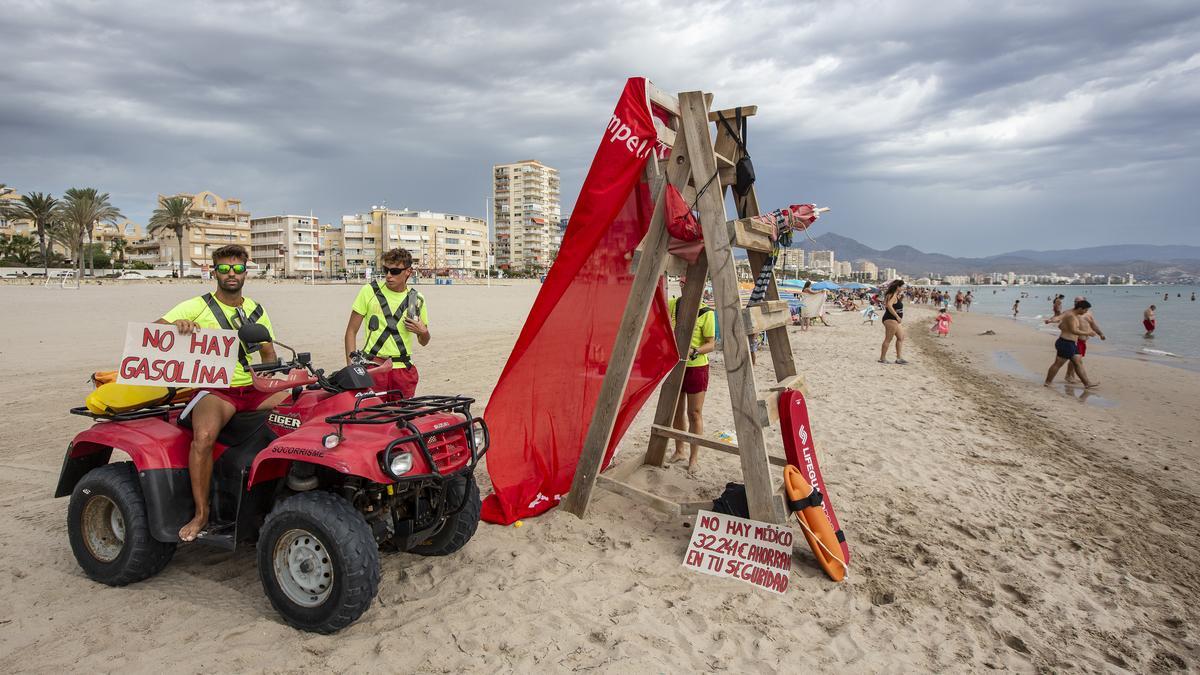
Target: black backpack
(732, 501)
(744, 169)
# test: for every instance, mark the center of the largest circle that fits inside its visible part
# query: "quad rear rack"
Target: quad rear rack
(401, 412)
(163, 411)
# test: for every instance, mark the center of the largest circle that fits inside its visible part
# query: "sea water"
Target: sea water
(1117, 309)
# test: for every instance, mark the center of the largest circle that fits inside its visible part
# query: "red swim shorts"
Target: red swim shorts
(695, 379)
(1081, 346)
(402, 381)
(243, 399)
(1148, 324)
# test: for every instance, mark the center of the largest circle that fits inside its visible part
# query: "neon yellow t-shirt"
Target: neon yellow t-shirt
(195, 309)
(705, 328)
(366, 305)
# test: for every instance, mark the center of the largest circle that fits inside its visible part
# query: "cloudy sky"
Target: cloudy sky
(959, 127)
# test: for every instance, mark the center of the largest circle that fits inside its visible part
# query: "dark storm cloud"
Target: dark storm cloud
(922, 123)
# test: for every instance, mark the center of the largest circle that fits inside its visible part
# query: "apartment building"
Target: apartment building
(216, 222)
(822, 261)
(888, 274)
(868, 269)
(286, 246)
(791, 260)
(442, 244)
(525, 197)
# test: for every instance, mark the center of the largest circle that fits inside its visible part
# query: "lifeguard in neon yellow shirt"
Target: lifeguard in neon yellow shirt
(227, 308)
(396, 316)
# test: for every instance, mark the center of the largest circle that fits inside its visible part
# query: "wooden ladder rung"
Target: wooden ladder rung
(771, 399)
(713, 443)
(731, 114)
(766, 315)
(655, 502)
(750, 234)
(723, 161)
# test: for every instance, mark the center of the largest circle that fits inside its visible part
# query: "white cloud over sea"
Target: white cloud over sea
(959, 127)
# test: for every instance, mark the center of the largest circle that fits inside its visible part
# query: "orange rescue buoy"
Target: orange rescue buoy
(815, 524)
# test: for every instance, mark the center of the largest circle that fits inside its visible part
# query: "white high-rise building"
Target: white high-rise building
(525, 197)
(888, 274)
(822, 261)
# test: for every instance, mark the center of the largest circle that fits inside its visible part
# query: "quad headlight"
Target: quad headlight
(480, 437)
(402, 463)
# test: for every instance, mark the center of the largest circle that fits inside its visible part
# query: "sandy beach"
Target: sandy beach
(995, 523)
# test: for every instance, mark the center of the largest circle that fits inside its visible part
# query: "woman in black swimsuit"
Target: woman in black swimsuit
(893, 314)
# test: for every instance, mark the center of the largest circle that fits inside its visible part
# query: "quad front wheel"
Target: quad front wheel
(109, 530)
(458, 528)
(318, 562)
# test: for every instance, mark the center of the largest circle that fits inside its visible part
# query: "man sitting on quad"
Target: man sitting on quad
(400, 313)
(227, 308)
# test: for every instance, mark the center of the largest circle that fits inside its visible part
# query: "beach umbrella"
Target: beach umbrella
(855, 286)
(826, 286)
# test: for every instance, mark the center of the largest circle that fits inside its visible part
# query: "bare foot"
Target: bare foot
(676, 458)
(691, 470)
(1092, 385)
(1045, 384)
(1070, 380)
(190, 531)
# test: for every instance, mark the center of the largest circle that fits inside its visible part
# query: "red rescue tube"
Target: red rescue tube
(815, 525)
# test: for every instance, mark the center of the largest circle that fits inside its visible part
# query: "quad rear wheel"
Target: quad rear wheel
(318, 562)
(109, 530)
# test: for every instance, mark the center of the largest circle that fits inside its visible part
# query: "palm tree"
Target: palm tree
(81, 209)
(173, 214)
(116, 249)
(39, 209)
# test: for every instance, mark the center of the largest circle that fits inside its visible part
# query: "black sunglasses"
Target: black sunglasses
(396, 271)
(224, 268)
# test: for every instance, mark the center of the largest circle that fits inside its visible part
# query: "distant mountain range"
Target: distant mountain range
(1146, 262)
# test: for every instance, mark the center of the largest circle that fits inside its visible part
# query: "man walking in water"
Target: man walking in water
(1148, 321)
(1081, 344)
(1072, 327)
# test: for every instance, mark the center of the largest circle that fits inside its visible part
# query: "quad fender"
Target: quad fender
(355, 455)
(150, 443)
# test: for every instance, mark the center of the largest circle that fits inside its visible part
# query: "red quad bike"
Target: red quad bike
(321, 482)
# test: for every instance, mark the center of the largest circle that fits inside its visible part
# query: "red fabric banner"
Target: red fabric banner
(539, 412)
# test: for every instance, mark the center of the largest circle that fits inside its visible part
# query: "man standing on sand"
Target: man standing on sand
(213, 408)
(1148, 321)
(1016, 307)
(1072, 327)
(1081, 344)
(400, 315)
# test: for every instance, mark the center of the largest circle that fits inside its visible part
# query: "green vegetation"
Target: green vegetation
(174, 215)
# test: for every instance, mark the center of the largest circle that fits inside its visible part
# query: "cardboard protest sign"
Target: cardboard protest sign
(157, 355)
(757, 553)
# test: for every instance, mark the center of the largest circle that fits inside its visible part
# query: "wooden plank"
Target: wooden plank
(766, 315)
(731, 114)
(668, 397)
(723, 161)
(705, 441)
(626, 468)
(641, 496)
(692, 508)
(662, 99)
(688, 437)
(742, 393)
(771, 399)
(745, 237)
(620, 362)
(665, 134)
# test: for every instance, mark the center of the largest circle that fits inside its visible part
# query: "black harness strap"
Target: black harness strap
(392, 329)
(814, 498)
(223, 322)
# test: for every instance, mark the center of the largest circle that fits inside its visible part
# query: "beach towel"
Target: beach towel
(540, 410)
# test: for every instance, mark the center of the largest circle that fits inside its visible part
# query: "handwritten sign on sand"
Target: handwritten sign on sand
(754, 552)
(157, 355)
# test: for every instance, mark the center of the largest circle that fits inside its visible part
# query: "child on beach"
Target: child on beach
(941, 325)
(1016, 307)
